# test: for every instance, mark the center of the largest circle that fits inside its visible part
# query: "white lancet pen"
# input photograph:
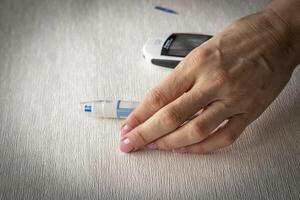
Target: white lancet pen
(108, 108)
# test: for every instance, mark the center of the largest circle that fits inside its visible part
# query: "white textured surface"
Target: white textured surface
(54, 54)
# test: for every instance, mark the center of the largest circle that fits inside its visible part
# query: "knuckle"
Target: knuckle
(220, 77)
(140, 139)
(201, 94)
(198, 131)
(208, 52)
(203, 53)
(199, 55)
(157, 98)
(172, 116)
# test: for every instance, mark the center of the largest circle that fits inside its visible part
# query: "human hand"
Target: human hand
(207, 101)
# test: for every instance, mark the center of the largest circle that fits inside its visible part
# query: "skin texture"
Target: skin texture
(207, 101)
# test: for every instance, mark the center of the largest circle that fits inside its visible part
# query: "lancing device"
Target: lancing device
(108, 108)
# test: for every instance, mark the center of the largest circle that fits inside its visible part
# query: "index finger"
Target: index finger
(176, 83)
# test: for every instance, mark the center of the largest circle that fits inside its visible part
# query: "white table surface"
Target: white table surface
(55, 54)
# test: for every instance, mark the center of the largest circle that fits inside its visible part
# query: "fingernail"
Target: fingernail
(180, 150)
(125, 129)
(126, 146)
(151, 146)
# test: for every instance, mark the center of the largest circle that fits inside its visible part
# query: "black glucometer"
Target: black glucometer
(168, 51)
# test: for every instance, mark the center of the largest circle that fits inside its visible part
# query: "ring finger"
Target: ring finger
(197, 129)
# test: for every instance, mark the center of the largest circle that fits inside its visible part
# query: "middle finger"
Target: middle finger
(197, 129)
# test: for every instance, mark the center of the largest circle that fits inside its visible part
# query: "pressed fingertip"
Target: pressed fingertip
(126, 145)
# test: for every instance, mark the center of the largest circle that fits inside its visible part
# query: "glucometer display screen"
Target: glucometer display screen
(181, 44)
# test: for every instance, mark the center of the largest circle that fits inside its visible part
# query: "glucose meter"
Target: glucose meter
(168, 51)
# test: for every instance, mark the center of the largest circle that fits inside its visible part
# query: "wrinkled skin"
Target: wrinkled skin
(207, 101)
